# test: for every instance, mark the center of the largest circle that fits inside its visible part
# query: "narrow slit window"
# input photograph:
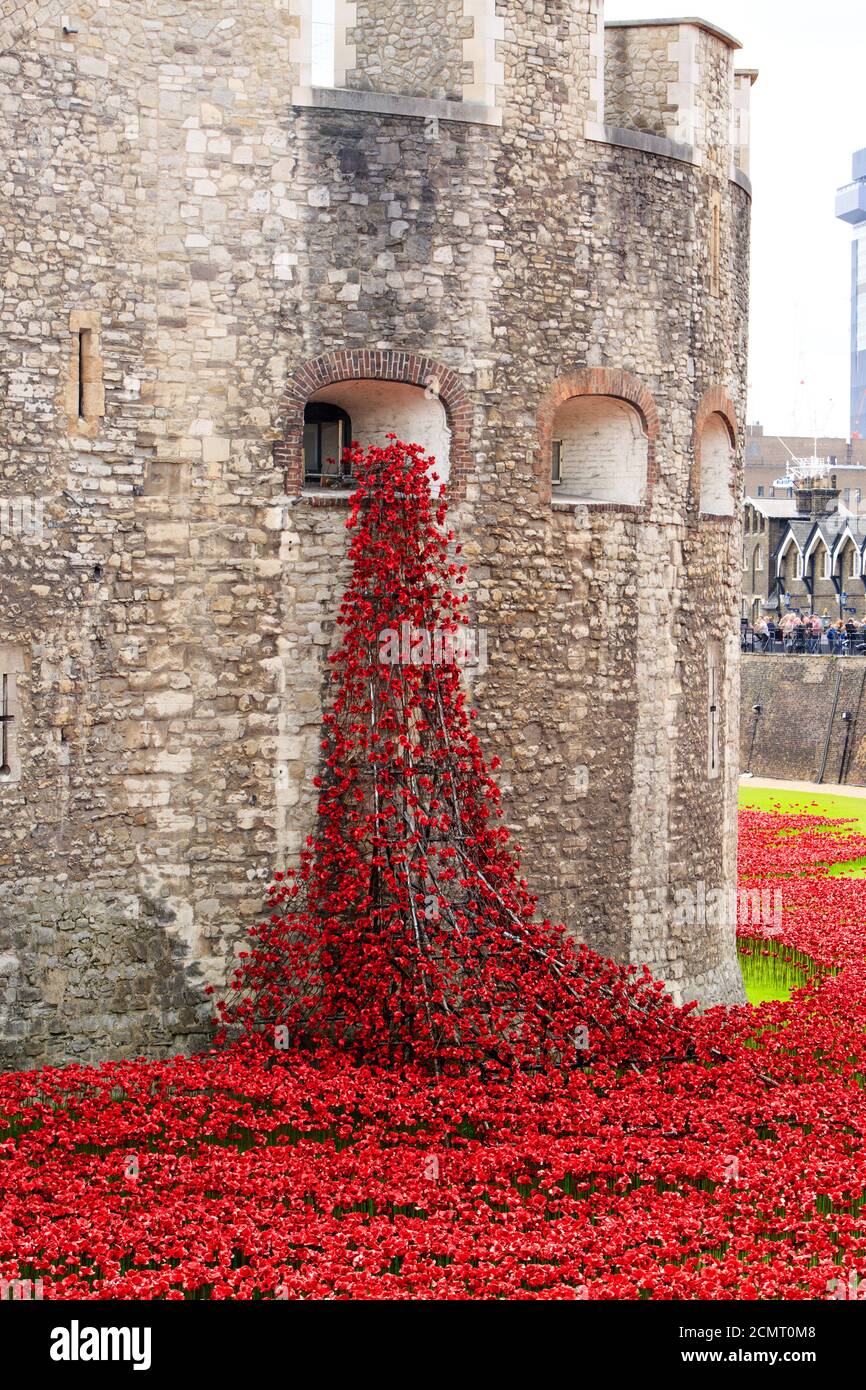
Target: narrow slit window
(713, 710)
(716, 246)
(85, 354)
(6, 718)
(85, 400)
(11, 665)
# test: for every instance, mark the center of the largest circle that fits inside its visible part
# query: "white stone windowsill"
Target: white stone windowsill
(566, 503)
(557, 500)
(335, 494)
(565, 500)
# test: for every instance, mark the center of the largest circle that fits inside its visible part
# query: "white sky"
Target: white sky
(808, 118)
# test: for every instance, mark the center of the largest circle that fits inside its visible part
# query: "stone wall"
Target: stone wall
(413, 51)
(638, 77)
(800, 732)
(175, 613)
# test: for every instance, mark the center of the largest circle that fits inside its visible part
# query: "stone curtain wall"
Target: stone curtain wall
(800, 729)
(412, 50)
(177, 612)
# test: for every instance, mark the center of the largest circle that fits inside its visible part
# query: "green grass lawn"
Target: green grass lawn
(851, 808)
(768, 979)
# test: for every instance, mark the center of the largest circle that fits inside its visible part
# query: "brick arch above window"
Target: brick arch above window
(714, 401)
(410, 369)
(596, 381)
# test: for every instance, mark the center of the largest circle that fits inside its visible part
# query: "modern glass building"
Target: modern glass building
(851, 207)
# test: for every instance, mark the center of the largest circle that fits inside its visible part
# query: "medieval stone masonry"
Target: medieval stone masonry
(203, 242)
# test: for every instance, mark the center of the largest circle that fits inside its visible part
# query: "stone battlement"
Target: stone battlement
(675, 80)
(671, 79)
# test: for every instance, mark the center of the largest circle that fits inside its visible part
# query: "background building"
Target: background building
(851, 208)
(806, 553)
(768, 456)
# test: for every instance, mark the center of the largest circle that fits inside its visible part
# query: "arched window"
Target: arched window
(366, 412)
(853, 563)
(599, 451)
(327, 432)
(848, 561)
(789, 563)
(717, 468)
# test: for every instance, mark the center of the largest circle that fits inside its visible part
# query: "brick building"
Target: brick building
(767, 459)
(806, 554)
(511, 232)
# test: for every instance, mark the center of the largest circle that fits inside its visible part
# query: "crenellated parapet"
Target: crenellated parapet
(413, 52)
(673, 82)
(744, 81)
(665, 86)
(393, 56)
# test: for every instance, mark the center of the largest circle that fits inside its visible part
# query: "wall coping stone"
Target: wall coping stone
(657, 144)
(642, 140)
(388, 104)
(673, 24)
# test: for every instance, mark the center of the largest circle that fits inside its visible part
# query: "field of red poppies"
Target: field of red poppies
(739, 1173)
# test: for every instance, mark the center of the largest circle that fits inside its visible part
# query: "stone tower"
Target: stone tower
(510, 232)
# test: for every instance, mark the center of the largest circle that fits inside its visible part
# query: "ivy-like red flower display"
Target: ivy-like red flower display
(408, 933)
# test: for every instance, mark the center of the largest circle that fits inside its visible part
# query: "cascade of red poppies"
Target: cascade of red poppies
(407, 933)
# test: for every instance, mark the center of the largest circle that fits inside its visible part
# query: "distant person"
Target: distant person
(789, 621)
(799, 632)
